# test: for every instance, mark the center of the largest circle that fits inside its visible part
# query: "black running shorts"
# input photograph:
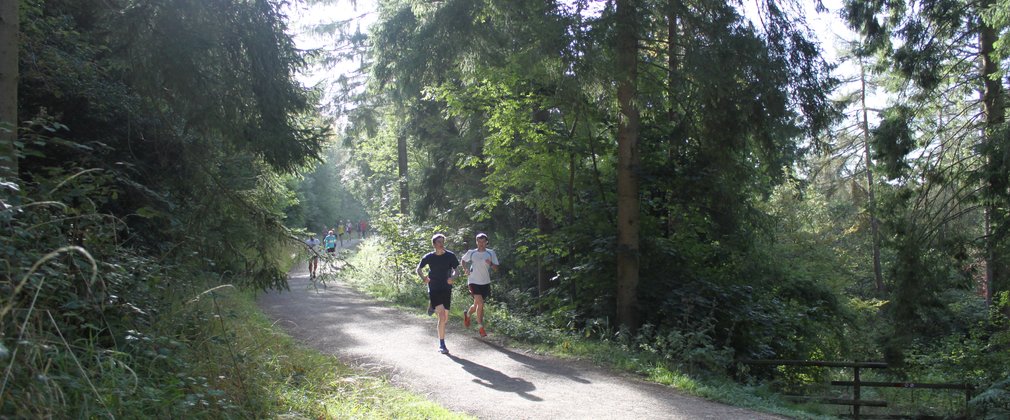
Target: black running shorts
(480, 289)
(440, 297)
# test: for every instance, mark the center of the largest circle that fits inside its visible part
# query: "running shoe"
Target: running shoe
(482, 333)
(431, 310)
(466, 319)
(443, 350)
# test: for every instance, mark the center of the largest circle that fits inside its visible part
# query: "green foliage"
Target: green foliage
(998, 16)
(916, 310)
(692, 350)
(386, 264)
(237, 49)
(976, 358)
(917, 44)
(933, 50)
(152, 141)
(994, 402)
(323, 198)
(787, 285)
(976, 354)
(190, 172)
(892, 141)
(73, 299)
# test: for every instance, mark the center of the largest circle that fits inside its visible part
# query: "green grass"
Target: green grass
(650, 367)
(268, 374)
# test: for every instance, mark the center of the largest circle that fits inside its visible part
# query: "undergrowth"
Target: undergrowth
(94, 326)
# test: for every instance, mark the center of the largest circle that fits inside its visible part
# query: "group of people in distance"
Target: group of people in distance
(442, 264)
(329, 242)
(347, 227)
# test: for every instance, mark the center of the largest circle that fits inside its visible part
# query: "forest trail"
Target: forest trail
(480, 376)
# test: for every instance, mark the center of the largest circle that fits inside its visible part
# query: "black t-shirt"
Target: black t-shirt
(439, 268)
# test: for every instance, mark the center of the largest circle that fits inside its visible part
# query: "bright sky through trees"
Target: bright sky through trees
(306, 17)
(827, 26)
(310, 21)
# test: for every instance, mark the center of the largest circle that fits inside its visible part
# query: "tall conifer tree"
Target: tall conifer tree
(927, 43)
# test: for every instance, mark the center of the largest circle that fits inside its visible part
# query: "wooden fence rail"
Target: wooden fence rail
(857, 402)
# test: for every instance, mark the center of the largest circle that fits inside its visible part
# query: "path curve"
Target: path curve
(479, 377)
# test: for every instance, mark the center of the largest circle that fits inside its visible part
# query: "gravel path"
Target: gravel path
(480, 376)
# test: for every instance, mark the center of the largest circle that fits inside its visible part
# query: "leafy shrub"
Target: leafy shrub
(93, 324)
(994, 402)
(73, 299)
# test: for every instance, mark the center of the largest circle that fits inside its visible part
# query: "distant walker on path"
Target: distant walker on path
(313, 244)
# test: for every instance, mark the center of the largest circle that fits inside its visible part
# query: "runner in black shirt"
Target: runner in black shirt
(442, 265)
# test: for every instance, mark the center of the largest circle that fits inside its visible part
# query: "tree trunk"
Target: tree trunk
(993, 110)
(570, 217)
(401, 159)
(8, 88)
(545, 227)
(628, 204)
(878, 276)
(673, 41)
(570, 212)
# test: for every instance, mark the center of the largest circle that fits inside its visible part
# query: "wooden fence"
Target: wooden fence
(857, 384)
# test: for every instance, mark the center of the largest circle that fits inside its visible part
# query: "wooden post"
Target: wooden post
(855, 392)
(967, 398)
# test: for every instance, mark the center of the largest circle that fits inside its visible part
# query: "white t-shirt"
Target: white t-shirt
(480, 272)
(313, 243)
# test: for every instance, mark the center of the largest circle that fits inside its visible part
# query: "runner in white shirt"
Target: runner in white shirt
(477, 266)
(313, 244)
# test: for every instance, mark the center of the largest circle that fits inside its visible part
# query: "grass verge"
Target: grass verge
(249, 359)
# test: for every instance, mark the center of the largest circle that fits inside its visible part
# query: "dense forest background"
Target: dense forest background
(670, 173)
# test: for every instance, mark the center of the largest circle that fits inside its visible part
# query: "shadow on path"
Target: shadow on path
(551, 368)
(310, 313)
(496, 380)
